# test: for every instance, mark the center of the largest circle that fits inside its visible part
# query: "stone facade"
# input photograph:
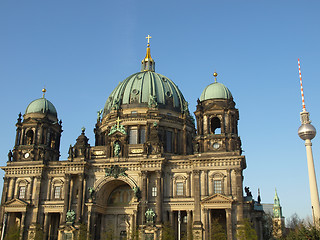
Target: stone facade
(149, 166)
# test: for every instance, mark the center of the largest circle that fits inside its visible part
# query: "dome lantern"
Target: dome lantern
(148, 64)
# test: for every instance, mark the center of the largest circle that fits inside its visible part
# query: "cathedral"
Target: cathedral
(153, 169)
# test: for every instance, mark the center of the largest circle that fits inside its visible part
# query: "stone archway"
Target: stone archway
(116, 208)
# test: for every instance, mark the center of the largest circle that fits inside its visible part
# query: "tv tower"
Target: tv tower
(307, 132)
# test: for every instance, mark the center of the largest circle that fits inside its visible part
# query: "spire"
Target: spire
(147, 64)
(276, 199)
(302, 95)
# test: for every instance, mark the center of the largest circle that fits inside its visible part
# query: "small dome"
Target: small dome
(141, 88)
(215, 91)
(41, 105)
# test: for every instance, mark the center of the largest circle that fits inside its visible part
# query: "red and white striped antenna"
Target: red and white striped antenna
(302, 95)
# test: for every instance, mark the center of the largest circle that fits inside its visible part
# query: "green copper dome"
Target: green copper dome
(146, 89)
(41, 105)
(215, 91)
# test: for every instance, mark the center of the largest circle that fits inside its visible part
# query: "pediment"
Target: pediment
(216, 199)
(16, 203)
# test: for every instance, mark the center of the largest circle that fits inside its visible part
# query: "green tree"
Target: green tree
(246, 231)
(167, 232)
(135, 234)
(82, 232)
(13, 232)
(38, 232)
(218, 232)
(304, 232)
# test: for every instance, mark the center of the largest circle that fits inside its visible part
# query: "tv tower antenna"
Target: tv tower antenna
(307, 132)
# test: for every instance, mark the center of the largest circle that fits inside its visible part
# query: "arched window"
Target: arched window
(29, 137)
(22, 186)
(56, 189)
(217, 182)
(215, 125)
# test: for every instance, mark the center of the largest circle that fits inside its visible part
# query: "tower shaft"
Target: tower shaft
(313, 184)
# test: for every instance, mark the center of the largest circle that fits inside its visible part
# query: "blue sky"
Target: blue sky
(80, 50)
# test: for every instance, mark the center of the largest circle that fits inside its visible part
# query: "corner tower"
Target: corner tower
(217, 120)
(38, 134)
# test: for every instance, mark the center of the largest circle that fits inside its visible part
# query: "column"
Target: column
(239, 194)
(70, 193)
(228, 190)
(11, 188)
(205, 182)
(159, 197)
(22, 137)
(84, 193)
(79, 200)
(188, 185)
(49, 189)
(206, 223)
(229, 224)
(22, 230)
(66, 197)
(189, 224)
(36, 199)
(89, 223)
(5, 190)
(196, 193)
(46, 225)
(144, 197)
(171, 218)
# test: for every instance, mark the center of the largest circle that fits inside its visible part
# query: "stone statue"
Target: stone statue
(70, 152)
(71, 216)
(10, 155)
(91, 193)
(136, 191)
(116, 148)
(116, 105)
(150, 216)
(248, 192)
(152, 101)
(99, 115)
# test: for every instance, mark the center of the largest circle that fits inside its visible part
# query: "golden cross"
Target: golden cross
(118, 123)
(148, 38)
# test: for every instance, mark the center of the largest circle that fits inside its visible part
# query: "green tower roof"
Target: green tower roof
(41, 105)
(215, 91)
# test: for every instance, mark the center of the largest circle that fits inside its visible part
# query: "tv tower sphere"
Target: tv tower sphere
(307, 131)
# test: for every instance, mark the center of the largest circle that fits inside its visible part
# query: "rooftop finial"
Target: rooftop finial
(148, 40)
(215, 74)
(43, 92)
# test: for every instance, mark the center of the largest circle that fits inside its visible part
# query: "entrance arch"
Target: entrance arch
(115, 208)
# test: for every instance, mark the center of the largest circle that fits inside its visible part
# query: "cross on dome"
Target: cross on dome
(148, 39)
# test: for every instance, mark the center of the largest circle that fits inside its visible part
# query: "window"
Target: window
(57, 192)
(22, 192)
(217, 186)
(29, 136)
(133, 134)
(215, 125)
(142, 135)
(179, 188)
(154, 191)
(169, 141)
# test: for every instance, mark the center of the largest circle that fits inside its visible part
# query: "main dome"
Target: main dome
(41, 105)
(140, 88)
(146, 89)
